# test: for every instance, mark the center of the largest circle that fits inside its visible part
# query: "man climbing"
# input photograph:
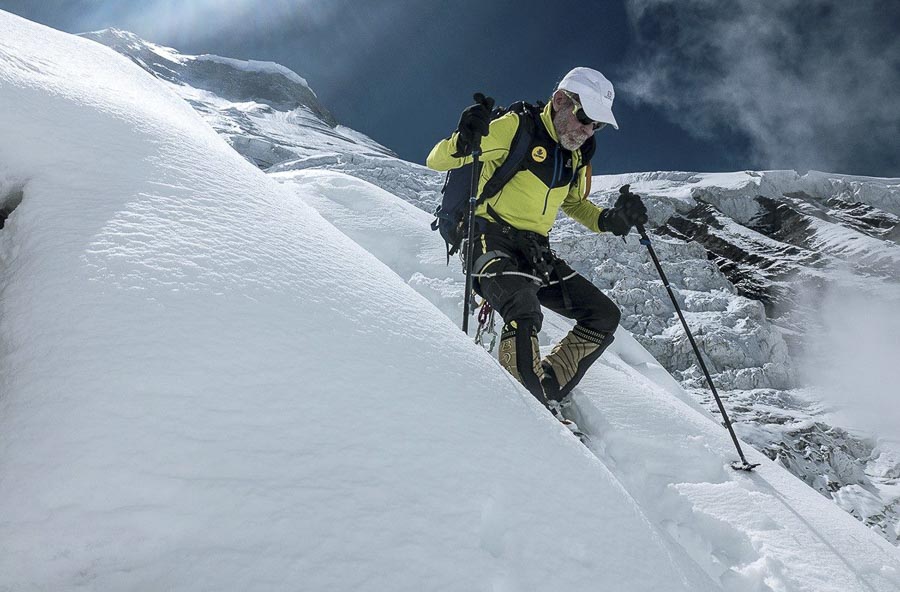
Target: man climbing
(514, 268)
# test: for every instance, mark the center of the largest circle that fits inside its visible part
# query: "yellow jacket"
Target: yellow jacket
(552, 177)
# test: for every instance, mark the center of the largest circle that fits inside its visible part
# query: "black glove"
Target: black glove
(628, 211)
(474, 123)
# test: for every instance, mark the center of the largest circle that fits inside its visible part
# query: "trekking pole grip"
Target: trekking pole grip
(487, 103)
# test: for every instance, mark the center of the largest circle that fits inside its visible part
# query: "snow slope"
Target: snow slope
(208, 385)
(761, 531)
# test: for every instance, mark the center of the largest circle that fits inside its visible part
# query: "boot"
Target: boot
(520, 355)
(566, 364)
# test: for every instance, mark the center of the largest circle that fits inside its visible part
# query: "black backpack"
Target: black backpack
(452, 215)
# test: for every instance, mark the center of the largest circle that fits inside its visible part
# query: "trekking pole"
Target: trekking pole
(470, 235)
(473, 199)
(645, 240)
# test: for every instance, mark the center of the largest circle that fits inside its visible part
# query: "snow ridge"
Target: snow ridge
(255, 66)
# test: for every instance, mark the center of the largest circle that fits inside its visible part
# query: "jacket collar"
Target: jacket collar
(547, 120)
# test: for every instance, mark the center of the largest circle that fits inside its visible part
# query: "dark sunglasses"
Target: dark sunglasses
(581, 116)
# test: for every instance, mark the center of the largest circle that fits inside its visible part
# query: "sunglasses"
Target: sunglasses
(581, 116)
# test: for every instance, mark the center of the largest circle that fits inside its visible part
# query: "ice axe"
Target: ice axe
(741, 465)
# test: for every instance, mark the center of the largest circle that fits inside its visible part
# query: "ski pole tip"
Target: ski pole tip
(743, 466)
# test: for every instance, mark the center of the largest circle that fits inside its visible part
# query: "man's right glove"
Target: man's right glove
(628, 211)
(474, 123)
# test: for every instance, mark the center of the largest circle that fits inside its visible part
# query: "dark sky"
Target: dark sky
(701, 86)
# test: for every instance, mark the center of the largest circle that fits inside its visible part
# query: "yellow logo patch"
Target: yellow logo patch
(539, 154)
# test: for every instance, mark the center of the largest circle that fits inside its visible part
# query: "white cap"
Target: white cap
(595, 93)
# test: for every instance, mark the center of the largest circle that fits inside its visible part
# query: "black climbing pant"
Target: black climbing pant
(517, 273)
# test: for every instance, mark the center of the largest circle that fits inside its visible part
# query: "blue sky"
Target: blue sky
(703, 86)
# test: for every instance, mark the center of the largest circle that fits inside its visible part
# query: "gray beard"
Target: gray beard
(572, 141)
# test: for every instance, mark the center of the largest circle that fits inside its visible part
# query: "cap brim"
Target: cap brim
(599, 111)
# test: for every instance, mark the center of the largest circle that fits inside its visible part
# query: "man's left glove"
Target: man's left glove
(628, 211)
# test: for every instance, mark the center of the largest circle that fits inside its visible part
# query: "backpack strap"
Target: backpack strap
(518, 149)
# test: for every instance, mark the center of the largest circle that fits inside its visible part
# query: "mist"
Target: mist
(853, 357)
(811, 85)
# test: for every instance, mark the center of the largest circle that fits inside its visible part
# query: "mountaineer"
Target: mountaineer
(547, 151)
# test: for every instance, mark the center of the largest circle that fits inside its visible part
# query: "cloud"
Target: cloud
(326, 42)
(811, 84)
(199, 20)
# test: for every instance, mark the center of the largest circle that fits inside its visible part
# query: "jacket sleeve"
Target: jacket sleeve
(494, 146)
(577, 206)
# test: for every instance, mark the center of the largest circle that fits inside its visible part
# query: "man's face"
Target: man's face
(572, 133)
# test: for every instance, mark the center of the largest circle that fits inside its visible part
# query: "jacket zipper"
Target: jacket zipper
(553, 180)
